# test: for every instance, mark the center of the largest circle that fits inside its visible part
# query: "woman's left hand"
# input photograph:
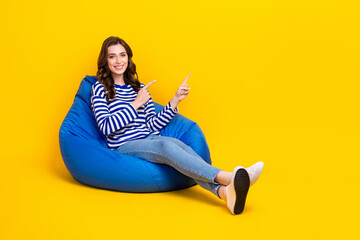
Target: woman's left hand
(181, 93)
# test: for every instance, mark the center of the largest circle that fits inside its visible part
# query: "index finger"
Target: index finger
(149, 84)
(186, 79)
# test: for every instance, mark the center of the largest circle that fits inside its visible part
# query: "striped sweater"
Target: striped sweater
(120, 122)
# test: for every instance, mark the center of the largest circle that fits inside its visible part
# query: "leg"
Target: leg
(181, 157)
(164, 150)
(212, 187)
(222, 178)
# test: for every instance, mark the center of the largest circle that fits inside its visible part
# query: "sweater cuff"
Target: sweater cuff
(169, 108)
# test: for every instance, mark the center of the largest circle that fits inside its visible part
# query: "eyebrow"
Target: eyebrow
(114, 53)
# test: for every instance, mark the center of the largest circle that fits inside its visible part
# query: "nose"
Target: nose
(118, 60)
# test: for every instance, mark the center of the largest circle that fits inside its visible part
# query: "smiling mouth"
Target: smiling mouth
(119, 67)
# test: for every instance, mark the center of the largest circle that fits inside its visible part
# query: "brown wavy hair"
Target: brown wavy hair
(104, 74)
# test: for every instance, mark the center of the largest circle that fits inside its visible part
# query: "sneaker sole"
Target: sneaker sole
(241, 185)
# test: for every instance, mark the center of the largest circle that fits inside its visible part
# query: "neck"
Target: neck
(119, 79)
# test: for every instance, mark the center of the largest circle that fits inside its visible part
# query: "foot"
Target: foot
(254, 172)
(237, 190)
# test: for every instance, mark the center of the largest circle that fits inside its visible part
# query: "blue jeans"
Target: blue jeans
(173, 152)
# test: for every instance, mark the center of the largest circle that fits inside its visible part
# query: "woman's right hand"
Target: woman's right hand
(143, 96)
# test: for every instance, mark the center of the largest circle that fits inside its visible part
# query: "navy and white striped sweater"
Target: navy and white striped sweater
(120, 122)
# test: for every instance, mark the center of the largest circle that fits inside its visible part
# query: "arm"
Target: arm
(156, 122)
(109, 123)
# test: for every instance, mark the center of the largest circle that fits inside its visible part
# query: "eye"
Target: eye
(111, 57)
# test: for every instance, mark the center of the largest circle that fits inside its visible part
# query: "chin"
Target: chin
(118, 72)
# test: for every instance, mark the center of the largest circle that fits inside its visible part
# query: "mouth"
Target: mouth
(119, 67)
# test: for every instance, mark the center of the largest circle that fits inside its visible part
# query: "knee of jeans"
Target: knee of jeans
(166, 145)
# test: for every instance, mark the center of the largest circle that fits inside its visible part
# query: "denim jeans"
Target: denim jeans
(173, 152)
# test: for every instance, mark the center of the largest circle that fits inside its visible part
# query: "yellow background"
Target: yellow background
(272, 80)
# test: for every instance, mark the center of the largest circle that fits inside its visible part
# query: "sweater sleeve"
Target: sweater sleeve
(156, 122)
(107, 122)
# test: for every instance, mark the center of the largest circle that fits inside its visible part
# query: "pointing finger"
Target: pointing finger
(186, 79)
(149, 84)
(184, 88)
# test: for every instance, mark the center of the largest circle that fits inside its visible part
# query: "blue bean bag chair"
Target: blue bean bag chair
(90, 162)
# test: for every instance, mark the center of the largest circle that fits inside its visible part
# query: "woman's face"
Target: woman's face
(117, 59)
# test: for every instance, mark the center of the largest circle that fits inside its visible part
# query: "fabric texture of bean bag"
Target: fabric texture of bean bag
(90, 162)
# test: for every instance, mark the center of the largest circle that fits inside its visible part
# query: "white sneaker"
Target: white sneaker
(237, 190)
(254, 172)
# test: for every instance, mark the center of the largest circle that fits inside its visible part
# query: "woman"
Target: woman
(126, 115)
